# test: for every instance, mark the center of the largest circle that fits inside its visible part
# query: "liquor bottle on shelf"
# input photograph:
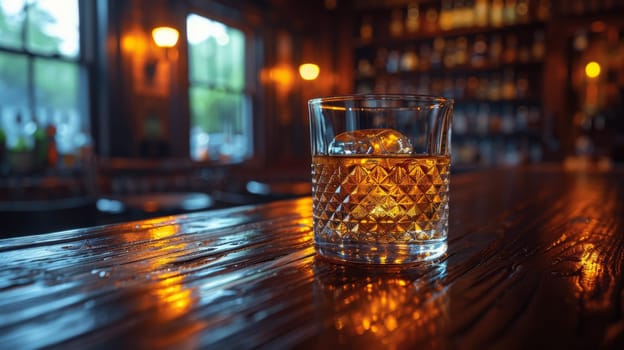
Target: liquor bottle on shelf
(522, 85)
(40, 144)
(509, 85)
(494, 87)
(534, 117)
(482, 119)
(448, 58)
(496, 13)
(465, 18)
(412, 19)
(436, 86)
(479, 52)
(24, 139)
(472, 87)
(393, 61)
(461, 51)
(481, 13)
(522, 116)
(366, 28)
(460, 124)
(85, 148)
(409, 60)
(535, 153)
(509, 12)
(471, 118)
(488, 152)
(524, 52)
(396, 23)
(512, 155)
(381, 58)
(21, 159)
(522, 11)
(459, 88)
(495, 121)
(446, 15)
(538, 47)
(510, 53)
(52, 156)
(425, 54)
(496, 49)
(543, 10)
(448, 87)
(365, 68)
(507, 121)
(431, 19)
(438, 52)
(457, 19)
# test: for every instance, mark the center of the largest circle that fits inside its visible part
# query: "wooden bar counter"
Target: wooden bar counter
(535, 260)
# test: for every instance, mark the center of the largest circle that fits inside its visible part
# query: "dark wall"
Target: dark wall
(284, 34)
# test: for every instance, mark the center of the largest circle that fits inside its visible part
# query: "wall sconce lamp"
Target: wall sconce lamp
(592, 69)
(309, 71)
(166, 37)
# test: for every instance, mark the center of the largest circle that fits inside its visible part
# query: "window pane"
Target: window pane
(57, 95)
(234, 60)
(216, 53)
(220, 107)
(13, 96)
(53, 27)
(221, 128)
(56, 84)
(11, 21)
(13, 80)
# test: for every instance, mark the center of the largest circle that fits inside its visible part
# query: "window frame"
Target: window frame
(232, 18)
(83, 61)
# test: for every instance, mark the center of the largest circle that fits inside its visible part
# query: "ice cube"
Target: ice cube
(370, 141)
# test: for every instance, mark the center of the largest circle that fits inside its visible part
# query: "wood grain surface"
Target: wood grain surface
(535, 260)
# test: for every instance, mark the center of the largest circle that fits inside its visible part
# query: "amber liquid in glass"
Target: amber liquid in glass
(398, 201)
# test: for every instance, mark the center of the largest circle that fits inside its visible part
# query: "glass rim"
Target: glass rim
(382, 97)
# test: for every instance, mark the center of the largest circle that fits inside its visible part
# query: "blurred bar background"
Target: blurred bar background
(105, 119)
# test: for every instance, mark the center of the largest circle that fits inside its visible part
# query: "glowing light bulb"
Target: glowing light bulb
(592, 69)
(309, 71)
(165, 36)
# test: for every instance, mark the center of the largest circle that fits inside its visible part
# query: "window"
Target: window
(220, 101)
(42, 73)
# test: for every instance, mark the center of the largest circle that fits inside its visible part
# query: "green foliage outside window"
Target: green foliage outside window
(218, 97)
(40, 72)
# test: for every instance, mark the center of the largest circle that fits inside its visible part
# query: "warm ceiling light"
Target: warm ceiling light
(309, 71)
(165, 36)
(592, 69)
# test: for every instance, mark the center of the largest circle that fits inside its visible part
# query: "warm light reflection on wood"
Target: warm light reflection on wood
(163, 231)
(591, 266)
(585, 235)
(168, 293)
(173, 299)
(303, 207)
(387, 310)
(171, 296)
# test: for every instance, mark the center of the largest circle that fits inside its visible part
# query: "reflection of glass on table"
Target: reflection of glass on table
(390, 310)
